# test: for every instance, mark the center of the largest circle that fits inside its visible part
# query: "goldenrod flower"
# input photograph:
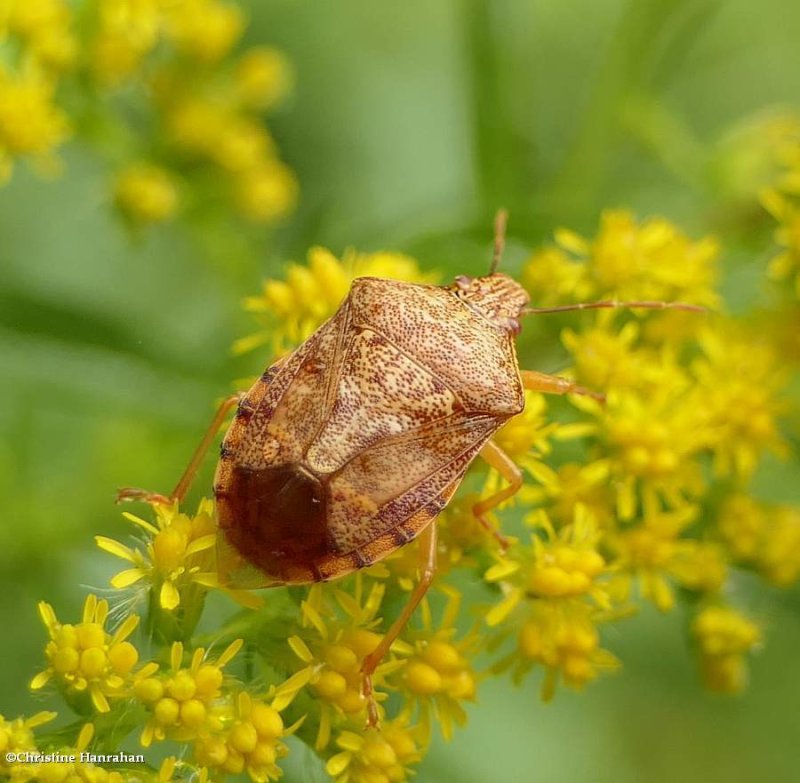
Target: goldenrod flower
(700, 565)
(652, 442)
(178, 553)
(31, 124)
(627, 259)
(763, 151)
(724, 638)
(85, 660)
(564, 640)
(266, 192)
(742, 521)
(779, 555)
(606, 355)
(561, 583)
(739, 381)
(376, 755)
(44, 28)
(562, 565)
(125, 31)
(249, 742)
(184, 702)
(262, 78)
(293, 308)
(204, 29)
(575, 484)
(146, 193)
(16, 736)
(786, 265)
(438, 674)
(345, 635)
(648, 551)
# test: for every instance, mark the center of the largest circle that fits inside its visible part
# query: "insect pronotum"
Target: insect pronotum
(352, 445)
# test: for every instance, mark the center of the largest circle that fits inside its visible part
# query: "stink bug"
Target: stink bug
(352, 445)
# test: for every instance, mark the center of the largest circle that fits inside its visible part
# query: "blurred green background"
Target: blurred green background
(410, 124)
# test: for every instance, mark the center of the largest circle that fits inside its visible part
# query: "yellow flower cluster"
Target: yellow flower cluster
(55, 765)
(428, 666)
(291, 309)
(204, 105)
(177, 554)
(692, 405)
(724, 637)
(85, 661)
(555, 594)
(627, 260)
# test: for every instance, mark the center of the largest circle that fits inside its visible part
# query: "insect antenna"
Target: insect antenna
(500, 222)
(613, 303)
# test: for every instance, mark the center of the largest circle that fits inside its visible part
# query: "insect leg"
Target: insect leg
(182, 487)
(427, 553)
(496, 458)
(554, 384)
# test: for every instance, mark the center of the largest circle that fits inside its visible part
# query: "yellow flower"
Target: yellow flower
(293, 308)
(178, 554)
(262, 78)
(562, 566)
(628, 260)
(575, 484)
(266, 192)
(183, 703)
(195, 125)
(242, 144)
(552, 276)
(63, 769)
(31, 124)
(376, 755)
(85, 660)
(125, 31)
(249, 742)
(786, 265)
(779, 555)
(724, 638)
(700, 565)
(742, 522)
(205, 29)
(649, 550)
(562, 584)
(652, 441)
(16, 736)
(564, 640)
(762, 151)
(438, 674)
(43, 25)
(609, 355)
(764, 536)
(737, 393)
(344, 635)
(146, 193)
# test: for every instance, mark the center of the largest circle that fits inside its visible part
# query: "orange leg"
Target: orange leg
(427, 555)
(496, 458)
(554, 384)
(182, 487)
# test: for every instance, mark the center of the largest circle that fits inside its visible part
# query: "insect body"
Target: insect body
(353, 444)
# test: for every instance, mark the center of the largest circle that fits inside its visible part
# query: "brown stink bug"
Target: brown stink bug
(352, 445)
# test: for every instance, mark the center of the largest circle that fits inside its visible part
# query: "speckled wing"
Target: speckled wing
(357, 431)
